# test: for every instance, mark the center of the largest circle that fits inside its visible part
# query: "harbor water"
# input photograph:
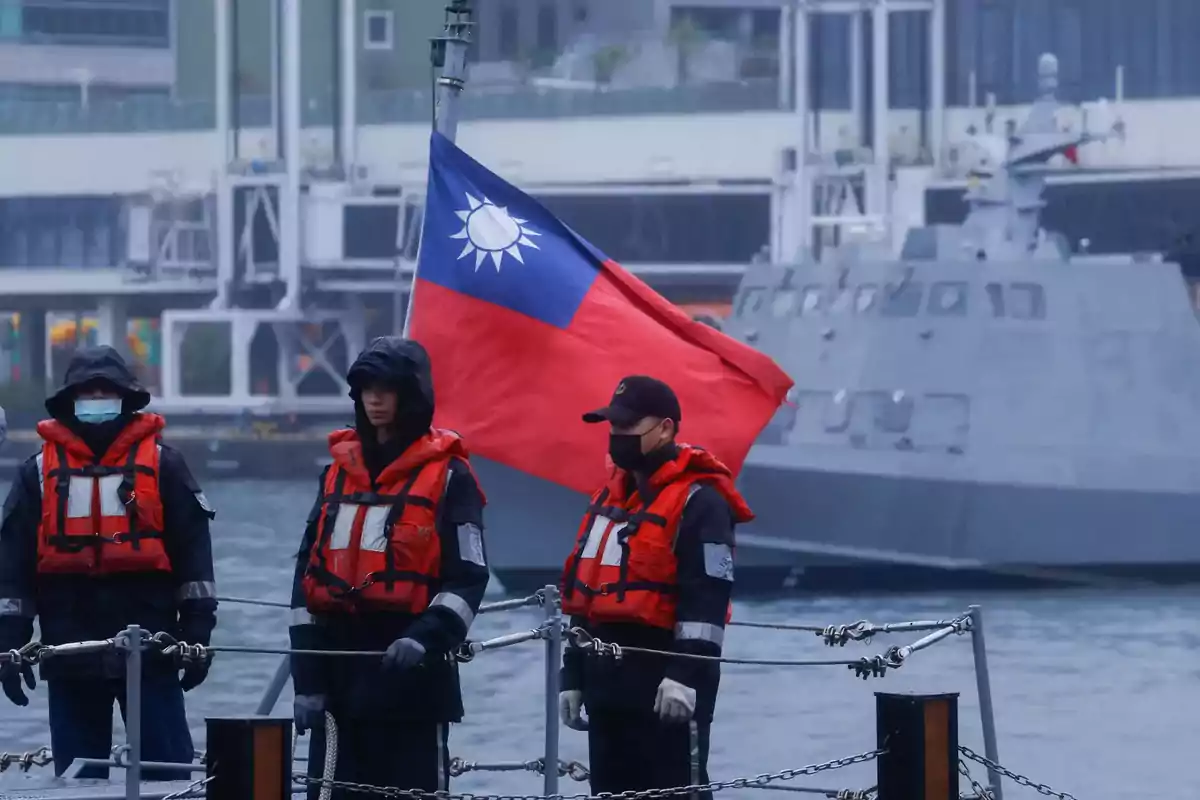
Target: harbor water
(1096, 693)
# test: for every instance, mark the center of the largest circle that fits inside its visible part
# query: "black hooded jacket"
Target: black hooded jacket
(82, 607)
(359, 687)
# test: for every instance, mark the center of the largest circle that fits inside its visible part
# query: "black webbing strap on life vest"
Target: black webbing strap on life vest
(630, 530)
(389, 575)
(333, 503)
(571, 580)
(74, 543)
(623, 583)
(632, 522)
(320, 569)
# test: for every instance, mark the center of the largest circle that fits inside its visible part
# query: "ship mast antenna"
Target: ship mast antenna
(448, 58)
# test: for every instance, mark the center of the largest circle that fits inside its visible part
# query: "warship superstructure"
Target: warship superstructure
(985, 411)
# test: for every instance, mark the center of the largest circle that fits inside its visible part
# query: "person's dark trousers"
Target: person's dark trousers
(397, 754)
(635, 752)
(81, 721)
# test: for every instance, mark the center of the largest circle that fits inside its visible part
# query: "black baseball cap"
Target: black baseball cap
(637, 397)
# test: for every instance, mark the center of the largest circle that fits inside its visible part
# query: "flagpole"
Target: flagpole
(447, 53)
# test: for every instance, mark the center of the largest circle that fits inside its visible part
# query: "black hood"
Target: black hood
(401, 364)
(92, 365)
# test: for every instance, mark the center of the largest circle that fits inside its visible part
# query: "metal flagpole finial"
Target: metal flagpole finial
(448, 56)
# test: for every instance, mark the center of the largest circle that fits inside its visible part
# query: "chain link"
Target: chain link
(29, 654)
(26, 761)
(645, 794)
(1015, 777)
(574, 770)
(980, 792)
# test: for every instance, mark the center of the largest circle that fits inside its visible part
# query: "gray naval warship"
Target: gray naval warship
(985, 412)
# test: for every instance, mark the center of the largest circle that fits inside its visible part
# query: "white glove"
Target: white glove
(570, 709)
(674, 701)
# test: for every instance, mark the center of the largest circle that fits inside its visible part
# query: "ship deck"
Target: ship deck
(60, 789)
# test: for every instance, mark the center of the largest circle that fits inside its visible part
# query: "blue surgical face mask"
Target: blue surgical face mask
(97, 409)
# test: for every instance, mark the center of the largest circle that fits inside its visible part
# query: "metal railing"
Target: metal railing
(153, 112)
(136, 643)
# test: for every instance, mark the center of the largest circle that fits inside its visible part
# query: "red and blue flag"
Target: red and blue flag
(529, 326)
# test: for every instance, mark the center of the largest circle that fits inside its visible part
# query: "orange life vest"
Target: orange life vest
(101, 516)
(377, 545)
(623, 568)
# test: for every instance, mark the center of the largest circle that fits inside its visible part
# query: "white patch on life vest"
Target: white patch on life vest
(612, 548)
(718, 561)
(374, 536)
(110, 496)
(592, 545)
(343, 524)
(79, 497)
(470, 544)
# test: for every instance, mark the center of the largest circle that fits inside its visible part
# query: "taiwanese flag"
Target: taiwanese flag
(529, 326)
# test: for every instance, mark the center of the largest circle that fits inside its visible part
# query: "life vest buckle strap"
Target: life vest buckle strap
(395, 575)
(70, 543)
(615, 513)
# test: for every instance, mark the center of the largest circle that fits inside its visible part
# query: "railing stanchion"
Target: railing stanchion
(554, 645)
(133, 711)
(283, 674)
(983, 687)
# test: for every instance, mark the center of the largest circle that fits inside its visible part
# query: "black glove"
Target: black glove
(194, 673)
(309, 712)
(404, 653)
(11, 674)
(195, 629)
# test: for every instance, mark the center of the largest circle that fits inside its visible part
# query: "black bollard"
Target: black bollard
(920, 734)
(249, 758)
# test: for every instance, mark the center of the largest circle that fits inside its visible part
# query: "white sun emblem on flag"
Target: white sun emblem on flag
(491, 231)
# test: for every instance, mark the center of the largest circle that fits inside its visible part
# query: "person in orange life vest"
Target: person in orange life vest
(393, 560)
(103, 528)
(652, 568)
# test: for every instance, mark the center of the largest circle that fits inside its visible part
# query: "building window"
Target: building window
(811, 302)
(547, 27)
(105, 23)
(902, 299)
(1026, 301)
(784, 304)
(510, 32)
(865, 298)
(1018, 300)
(893, 413)
(995, 293)
(378, 30)
(829, 61)
(999, 41)
(948, 299)
(752, 301)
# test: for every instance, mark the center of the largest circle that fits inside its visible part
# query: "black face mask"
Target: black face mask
(625, 449)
